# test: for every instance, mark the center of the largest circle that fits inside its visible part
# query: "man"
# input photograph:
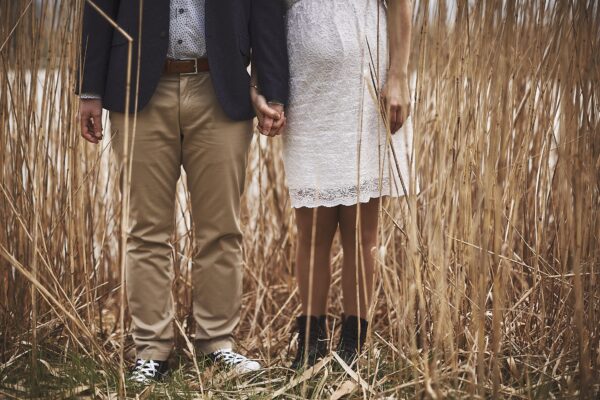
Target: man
(193, 110)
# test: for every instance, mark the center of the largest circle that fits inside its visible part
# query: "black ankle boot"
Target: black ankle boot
(351, 342)
(317, 341)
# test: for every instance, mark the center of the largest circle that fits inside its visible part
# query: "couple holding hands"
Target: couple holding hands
(330, 76)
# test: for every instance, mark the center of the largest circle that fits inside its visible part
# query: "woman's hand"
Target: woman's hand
(271, 117)
(396, 100)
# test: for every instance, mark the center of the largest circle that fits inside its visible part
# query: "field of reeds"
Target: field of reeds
(488, 279)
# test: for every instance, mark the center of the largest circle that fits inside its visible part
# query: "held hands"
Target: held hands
(90, 118)
(271, 117)
(396, 100)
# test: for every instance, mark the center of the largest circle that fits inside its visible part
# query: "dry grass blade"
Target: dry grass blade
(346, 388)
(306, 375)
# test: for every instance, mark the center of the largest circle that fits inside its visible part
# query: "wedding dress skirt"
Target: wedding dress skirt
(336, 150)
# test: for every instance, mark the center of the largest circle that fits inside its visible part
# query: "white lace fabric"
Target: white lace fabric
(336, 149)
(342, 195)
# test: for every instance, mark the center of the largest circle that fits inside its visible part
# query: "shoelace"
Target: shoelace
(144, 369)
(229, 357)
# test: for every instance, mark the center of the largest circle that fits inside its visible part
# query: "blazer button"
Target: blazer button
(163, 34)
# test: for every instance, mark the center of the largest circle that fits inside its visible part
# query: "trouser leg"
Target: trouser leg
(156, 160)
(214, 152)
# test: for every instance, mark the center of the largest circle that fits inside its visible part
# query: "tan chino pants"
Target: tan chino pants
(184, 125)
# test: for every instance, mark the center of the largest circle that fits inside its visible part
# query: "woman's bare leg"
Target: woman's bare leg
(313, 256)
(359, 263)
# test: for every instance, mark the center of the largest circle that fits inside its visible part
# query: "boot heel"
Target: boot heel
(317, 341)
(352, 338)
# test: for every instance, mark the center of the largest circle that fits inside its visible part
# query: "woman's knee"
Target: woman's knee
(366, 238)
(369, 238)
(319, 239)
(325, 225)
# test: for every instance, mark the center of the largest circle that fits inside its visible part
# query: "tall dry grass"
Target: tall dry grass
(487, 279)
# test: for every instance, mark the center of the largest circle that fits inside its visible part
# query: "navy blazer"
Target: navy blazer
(234, 30)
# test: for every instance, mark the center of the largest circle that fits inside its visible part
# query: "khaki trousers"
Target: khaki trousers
(184, 125)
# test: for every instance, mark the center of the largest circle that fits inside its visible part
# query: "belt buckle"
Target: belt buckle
(195, 60)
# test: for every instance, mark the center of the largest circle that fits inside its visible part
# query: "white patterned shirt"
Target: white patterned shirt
(186, 29)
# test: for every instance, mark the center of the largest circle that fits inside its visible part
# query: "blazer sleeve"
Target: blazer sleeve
(96, 40)
(269, 48)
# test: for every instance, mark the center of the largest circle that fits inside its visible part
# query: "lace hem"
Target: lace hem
(344, 196)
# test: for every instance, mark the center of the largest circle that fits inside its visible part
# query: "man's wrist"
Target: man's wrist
(276, 103)
(90, 96)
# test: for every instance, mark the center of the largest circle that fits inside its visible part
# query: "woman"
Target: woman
(338, 152)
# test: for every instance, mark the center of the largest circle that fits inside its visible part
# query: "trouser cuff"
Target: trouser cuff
(207, 346)
(156, 355)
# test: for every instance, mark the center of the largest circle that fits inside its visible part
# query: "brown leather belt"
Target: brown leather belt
(186, 67)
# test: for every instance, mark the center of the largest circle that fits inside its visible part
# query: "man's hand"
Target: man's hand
(90, 118)
(396, 100)
(271, 117)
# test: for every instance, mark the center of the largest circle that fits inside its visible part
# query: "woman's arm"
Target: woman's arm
(396, 93)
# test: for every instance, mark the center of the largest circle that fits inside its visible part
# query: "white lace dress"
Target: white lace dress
(335, 146)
